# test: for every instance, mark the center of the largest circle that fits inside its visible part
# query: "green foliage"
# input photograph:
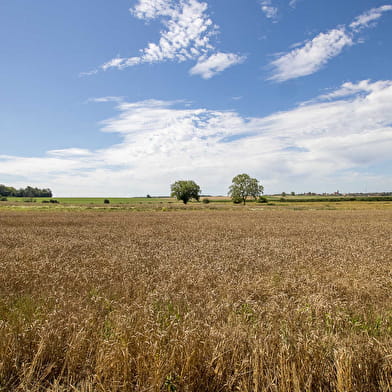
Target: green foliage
(335, 199)
(185, 190)
(243, 186)
(3, 198)
(246, 311)
(262, 199)
(24, 192)
(171, 382)
(236, 200)
(206, 201)
(106, 201)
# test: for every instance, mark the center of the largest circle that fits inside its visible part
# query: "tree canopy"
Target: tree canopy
(185, 190)
(24, 192)
(243, 186)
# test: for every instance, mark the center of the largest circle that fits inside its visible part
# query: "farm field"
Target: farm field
(90, 200)
(275, 299)
(214, 202)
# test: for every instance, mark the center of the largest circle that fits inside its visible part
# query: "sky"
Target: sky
(123, 98)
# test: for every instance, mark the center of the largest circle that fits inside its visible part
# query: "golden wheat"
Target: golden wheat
(275, 301)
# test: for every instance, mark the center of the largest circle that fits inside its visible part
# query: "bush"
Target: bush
(236, 200)
(3, 199)
(262, 199)
(54, 201)
(206, 201)
(106, 201)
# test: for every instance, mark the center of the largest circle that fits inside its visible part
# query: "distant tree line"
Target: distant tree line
(24, 192)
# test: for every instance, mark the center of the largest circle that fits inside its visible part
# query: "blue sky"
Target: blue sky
(123, 98)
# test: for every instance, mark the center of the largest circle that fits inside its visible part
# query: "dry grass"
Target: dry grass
(267, 300)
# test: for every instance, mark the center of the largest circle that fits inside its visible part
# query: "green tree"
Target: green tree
(185, 190)
(243, 186)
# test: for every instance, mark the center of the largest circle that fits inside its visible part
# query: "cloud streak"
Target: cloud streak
(218, 62)
(314, 54)
(317, 146)
(364, 20)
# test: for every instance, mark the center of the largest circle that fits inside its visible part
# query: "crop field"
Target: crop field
(90, 200)
(169, 204)
(238, 299)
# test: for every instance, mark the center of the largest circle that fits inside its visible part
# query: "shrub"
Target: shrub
(206, 201)
(262, 199)
(106, 201)
(3, 199)
(54, 201)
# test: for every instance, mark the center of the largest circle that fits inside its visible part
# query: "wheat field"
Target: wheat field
(242, 300)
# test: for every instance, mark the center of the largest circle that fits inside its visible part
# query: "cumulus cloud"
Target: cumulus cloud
(187, 34)
(218, 62)
(316, 146)
(312, 55)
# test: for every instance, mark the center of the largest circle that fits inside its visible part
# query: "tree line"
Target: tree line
(24, 192)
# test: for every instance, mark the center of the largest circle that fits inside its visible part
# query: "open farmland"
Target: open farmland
(207, 300)
(90, 200)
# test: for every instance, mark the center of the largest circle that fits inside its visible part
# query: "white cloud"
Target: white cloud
(187, 35)
(150, 9)
(350, 89)
(293, 3)
(316, 146)
(88, 73)
(312, 55)
(309, 58)
(106, 99)
(367, 17)
(268, 9)
(218, 62)
(70, 152)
